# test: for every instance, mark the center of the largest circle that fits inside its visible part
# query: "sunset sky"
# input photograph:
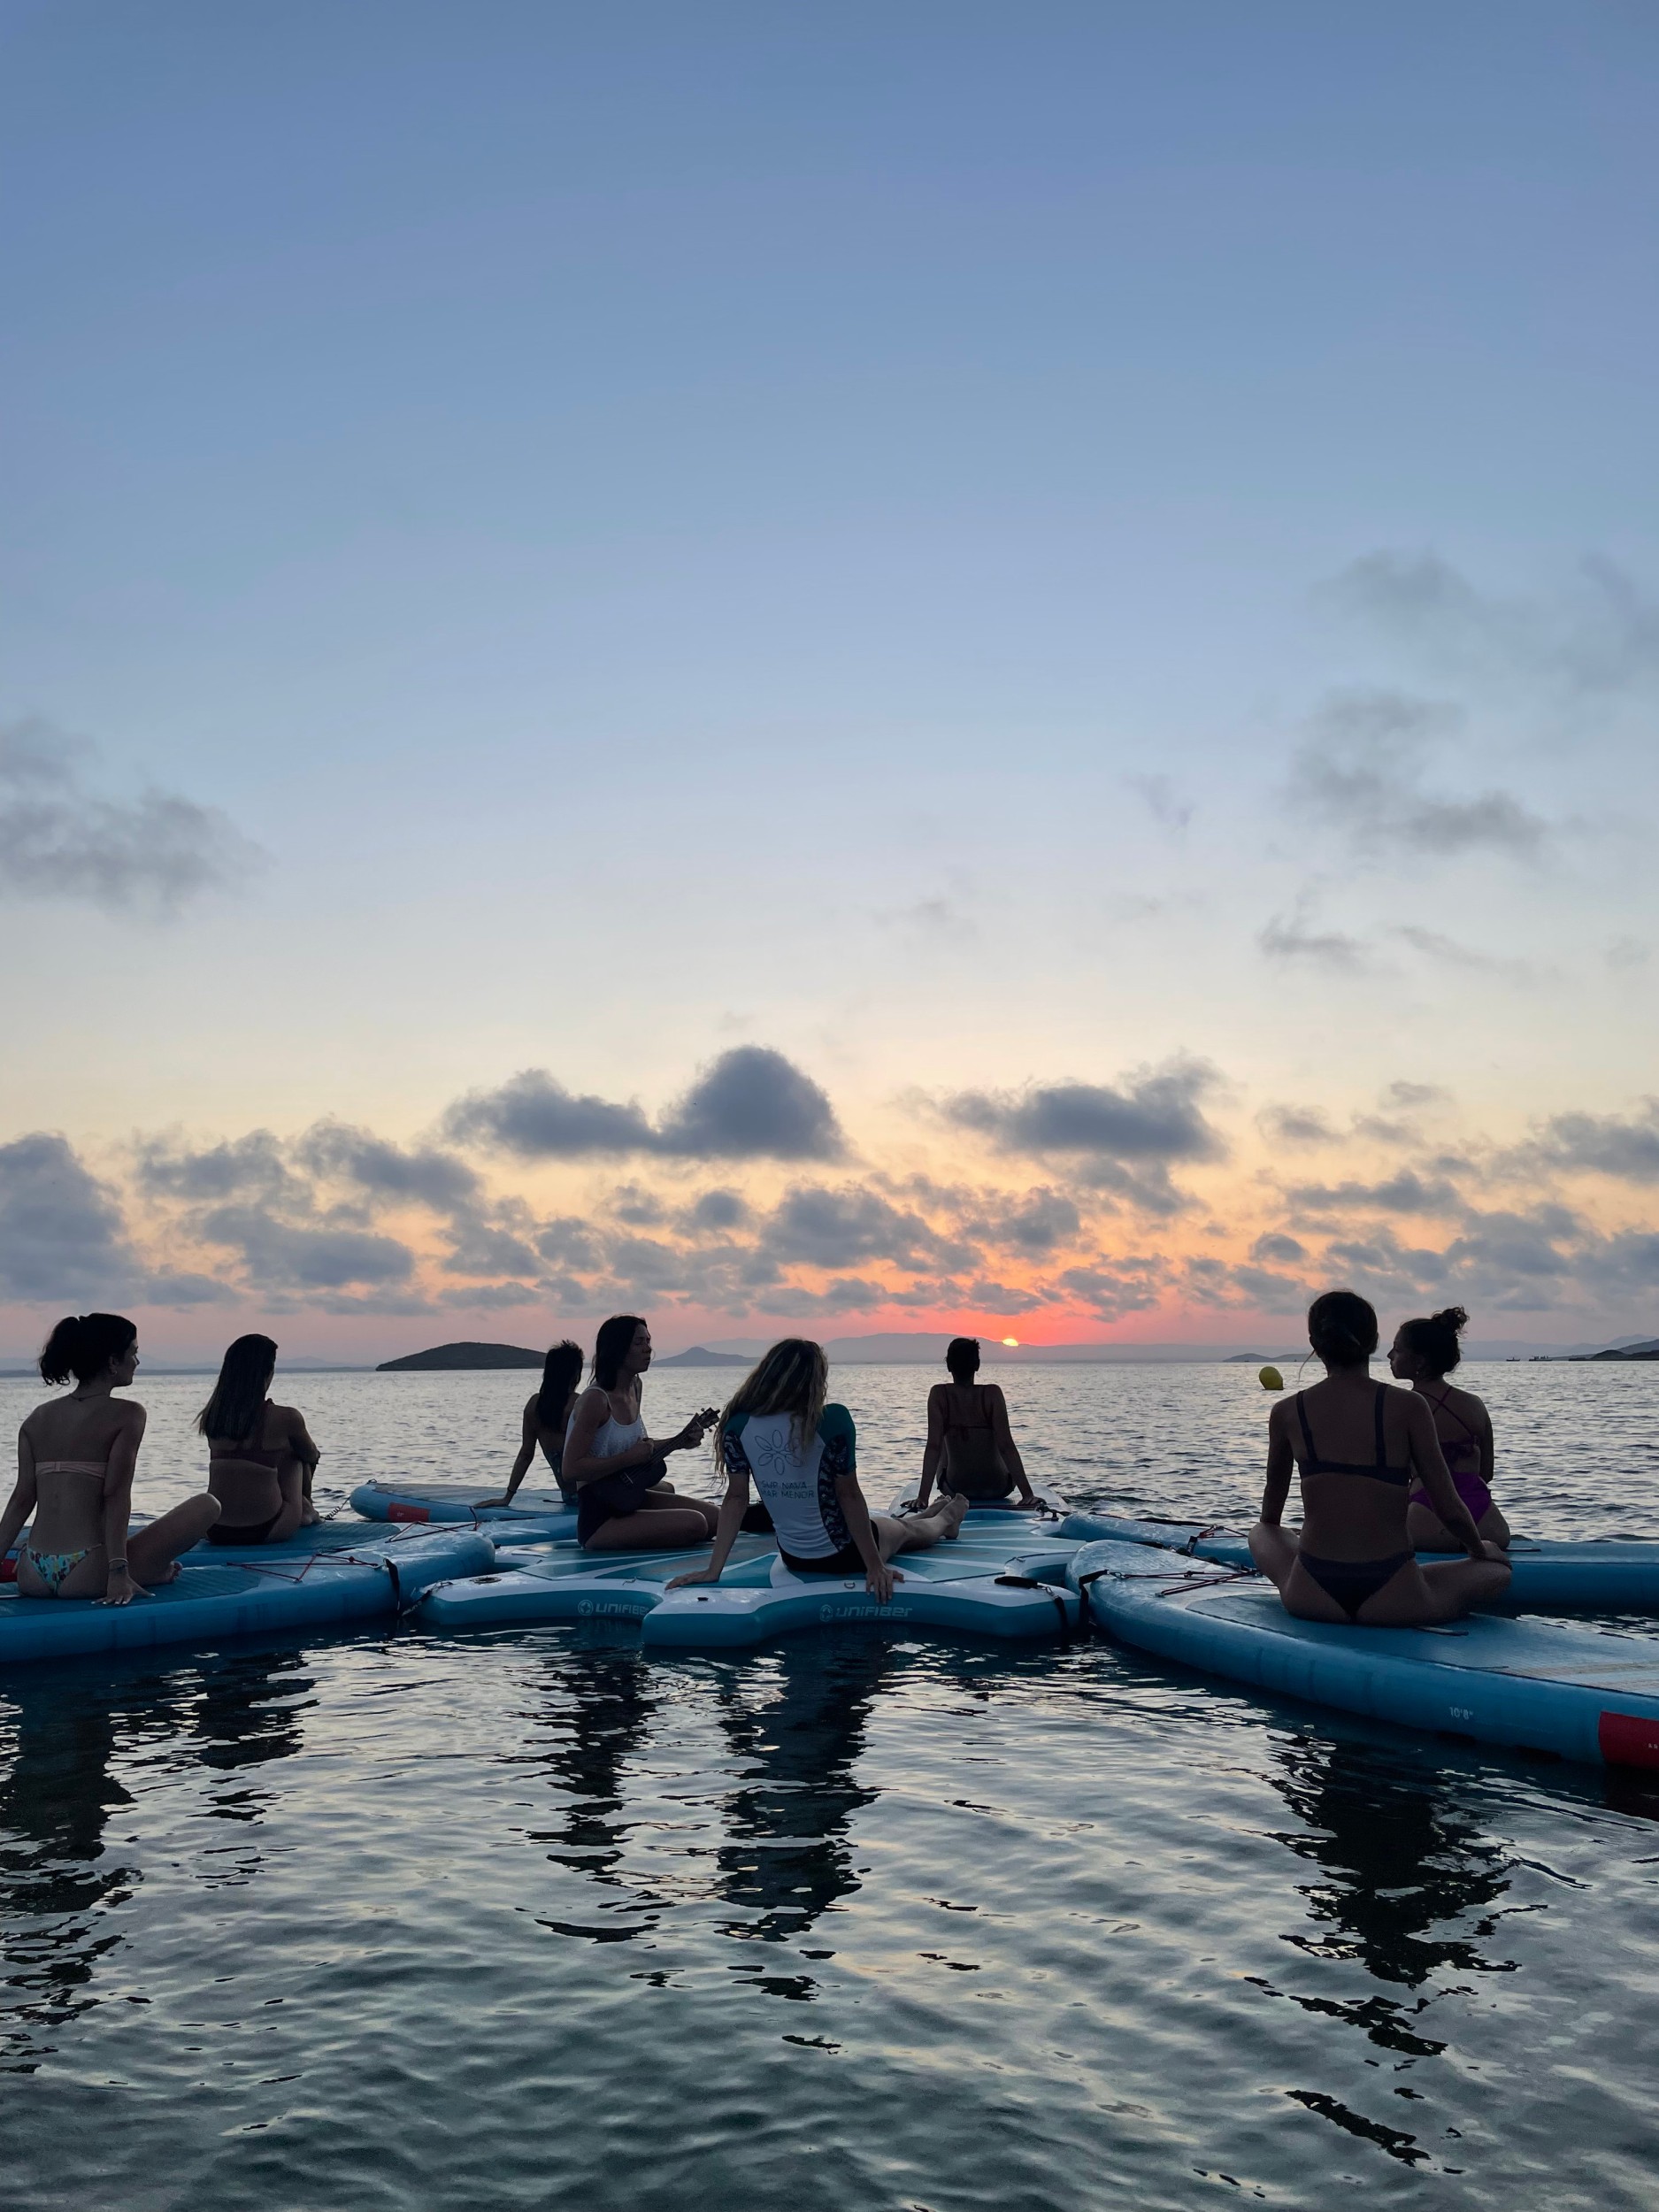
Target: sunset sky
(868, 668)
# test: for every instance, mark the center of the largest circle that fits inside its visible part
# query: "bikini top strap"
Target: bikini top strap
(1306, 1433)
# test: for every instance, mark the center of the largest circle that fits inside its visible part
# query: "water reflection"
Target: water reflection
(57, 1795)
(603, 1700)
(1399, 1870)
(797, 1727)
(61, 1736)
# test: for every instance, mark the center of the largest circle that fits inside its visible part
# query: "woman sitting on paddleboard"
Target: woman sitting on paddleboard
(1425, 1352)
(76, 1457)
(546, 1418)
(1359, 1446)
(968, 1431)
(800, 1453)
(260, 1457)
(623, 1502)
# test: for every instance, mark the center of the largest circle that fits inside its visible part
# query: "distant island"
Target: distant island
(1647, 1350)
(448, 1356)
(700, 1356)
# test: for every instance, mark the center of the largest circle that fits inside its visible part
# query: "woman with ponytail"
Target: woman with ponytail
(546, 1417)
(1425, 1352)
(76, 1458)
(1360, 1446)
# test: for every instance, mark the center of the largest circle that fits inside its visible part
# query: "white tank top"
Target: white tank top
(613, 1436)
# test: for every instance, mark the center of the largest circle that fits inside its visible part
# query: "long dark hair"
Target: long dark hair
(1435, 1338)
(83, 1344)
(610, 1346)
(238, 1398)
(1342, 1328)
(561, 1372)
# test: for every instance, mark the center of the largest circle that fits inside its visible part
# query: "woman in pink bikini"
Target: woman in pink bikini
(1423, 1354)
(76, 1456)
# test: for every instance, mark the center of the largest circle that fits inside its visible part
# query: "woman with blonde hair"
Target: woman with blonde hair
(800, 1454)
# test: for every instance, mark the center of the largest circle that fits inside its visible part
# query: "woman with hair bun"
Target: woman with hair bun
(1359, 1446)
(1423, 1353)
(970, 1446)
(76, 1458)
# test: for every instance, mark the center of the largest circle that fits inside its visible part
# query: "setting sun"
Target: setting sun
(1012, 1343)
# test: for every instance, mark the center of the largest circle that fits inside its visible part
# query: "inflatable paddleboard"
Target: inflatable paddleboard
(1013, 1605)
(1581, 1693)
(1620, 1574)
(532, 1513)
(223, 1592)
(998, 1512)
(950, 1587)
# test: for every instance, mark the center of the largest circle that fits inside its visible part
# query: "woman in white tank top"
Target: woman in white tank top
(624, 1502)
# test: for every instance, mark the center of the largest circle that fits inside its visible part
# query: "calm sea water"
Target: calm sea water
(393, 1921)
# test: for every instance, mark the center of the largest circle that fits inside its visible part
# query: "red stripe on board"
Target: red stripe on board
(407, 1513)
(1629, 1740)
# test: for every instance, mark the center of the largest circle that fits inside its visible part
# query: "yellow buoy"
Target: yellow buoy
(1270, 1379)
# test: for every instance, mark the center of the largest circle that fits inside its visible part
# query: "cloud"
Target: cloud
(1163, 801)
(1297, 1128)
(59, 840)
(62, 1234)
(424, 1175)
(717, 1210)
(1598, 638)
(279, 1257)
(1109, 1289)
(1153, 1117)
(1434, 945)
(751, 1103)
(533, 1115)
(1402, 1194)
(1625, 1148)
(244, 1166)
(819, 1227)
(1279, 1249)
(1408, 1095)
(1290, 937)
(1361, 772)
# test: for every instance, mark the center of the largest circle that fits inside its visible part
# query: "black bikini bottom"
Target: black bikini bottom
(246, 1532)
(1351, 1581)
(848, 1561)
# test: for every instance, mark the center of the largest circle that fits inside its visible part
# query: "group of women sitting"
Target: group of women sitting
(1385, 1473)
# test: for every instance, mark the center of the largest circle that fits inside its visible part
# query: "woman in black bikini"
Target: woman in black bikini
(260, 1457)
(971, 1448)
(1358, 1444)
(546, 1417)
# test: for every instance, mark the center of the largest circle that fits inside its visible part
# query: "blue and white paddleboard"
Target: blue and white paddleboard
(1620, 1574)
(960, 1595)
(1581, 1693)
(533, 1513)
(225, 1592)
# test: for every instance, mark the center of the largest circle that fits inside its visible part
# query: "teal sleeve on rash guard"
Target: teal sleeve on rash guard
(836, 1428)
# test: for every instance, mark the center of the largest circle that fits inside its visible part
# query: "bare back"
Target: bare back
(245, 1473)
(1352, 1444)
(75, 1448)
